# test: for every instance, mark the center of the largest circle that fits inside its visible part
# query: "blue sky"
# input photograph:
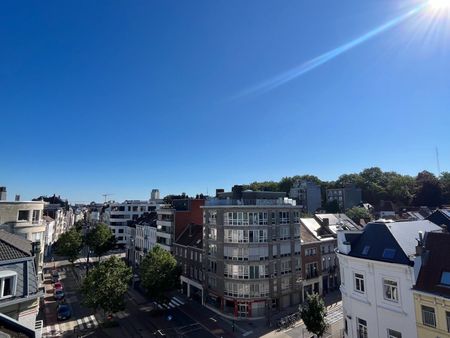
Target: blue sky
(124, 96)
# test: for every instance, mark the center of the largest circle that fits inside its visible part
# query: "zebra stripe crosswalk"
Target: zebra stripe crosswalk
(173, 303)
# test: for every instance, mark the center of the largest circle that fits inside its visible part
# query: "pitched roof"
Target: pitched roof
(191, 236)
(338, 219)
(393, 242)
(13, 246)
(306, 235)
(437, 246)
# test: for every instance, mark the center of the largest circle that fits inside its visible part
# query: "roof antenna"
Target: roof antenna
(437, 162)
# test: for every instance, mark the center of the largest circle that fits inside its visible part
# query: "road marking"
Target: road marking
(247, 333)
(94, 320)
(165, 305)
(175, 299)
(160, 332)
(214, 320)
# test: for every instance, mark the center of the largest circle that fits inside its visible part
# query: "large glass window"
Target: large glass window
(390, 290)
(359, 283)
(428, 316)
(36, 216)
(283, 217)
(23, 215)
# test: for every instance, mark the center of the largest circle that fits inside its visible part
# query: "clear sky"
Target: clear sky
(124, 96)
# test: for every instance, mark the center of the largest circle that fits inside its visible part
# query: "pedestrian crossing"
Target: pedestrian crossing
(56, 330)
(173, 303)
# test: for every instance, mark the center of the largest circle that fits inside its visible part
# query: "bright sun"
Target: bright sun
(439, 4)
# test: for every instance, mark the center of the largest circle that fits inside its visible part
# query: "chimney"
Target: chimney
(17, 198)
(2, 193)
(420, 244)
(326, 222)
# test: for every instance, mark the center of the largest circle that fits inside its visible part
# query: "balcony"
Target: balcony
(312, 274)
(164, 223)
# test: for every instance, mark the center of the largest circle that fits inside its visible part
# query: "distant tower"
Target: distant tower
(2, 193)
(155, 194)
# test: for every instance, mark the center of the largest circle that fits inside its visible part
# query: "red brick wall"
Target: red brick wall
(184, 218)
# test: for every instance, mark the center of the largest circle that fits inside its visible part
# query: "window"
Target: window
(8, 284)
(447, 314)
(428, 316)
(365, 250)
(394, 334)
(284, 217)
(23, 215)
(362, 328)
(36, 215)
(120, 231)
(359, 283)
(389, 253)
(296, 217)
(390, 289)
(445, 278)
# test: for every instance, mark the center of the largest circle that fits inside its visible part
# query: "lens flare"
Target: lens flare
(439, 4)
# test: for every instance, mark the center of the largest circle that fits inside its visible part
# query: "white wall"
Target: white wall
(371, 306)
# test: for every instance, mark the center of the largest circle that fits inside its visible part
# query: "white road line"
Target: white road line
(159, 306)
(94, 320)
(165, 305)
(172, 304)
(178, 300)
(79, 323)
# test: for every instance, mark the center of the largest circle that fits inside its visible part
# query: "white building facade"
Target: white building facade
(377, 276)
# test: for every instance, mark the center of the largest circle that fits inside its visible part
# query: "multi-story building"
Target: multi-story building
(308, 196)
(118, 215)
(145, 236)
(432, 289)
(310, 262)
(24, 218)
(328, 265)
(377, 277)
(252, 253)
(175, 217)
(19, 284)
(188, 251)
(441, 217)
(347, 197)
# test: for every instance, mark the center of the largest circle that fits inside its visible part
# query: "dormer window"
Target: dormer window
(445, 278)
(8, 283)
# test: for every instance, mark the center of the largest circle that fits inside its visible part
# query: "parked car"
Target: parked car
(63, 311)
(58, 286)
(58, 294)
(55, 276)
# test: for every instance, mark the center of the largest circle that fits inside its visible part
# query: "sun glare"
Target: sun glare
(439, 4)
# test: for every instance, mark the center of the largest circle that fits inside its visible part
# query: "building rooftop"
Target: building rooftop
(393, 242)
(191, 236)
(434, 275)
(306, 235)
(336, 220)
(13, 246)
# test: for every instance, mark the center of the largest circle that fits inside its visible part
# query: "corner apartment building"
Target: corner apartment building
(377, 277)
(432, 290)
(308, 195)
(24, 218)
(252, 253)
(174, 218)
(347, 197)
(145, 237)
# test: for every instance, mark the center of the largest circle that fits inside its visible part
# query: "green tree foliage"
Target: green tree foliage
(445, 185)
(104, 288)
(356, 213)
(313, 314)
(332, 207)
(69, 244)
(159, 272)
(429, 190)
(100, 239)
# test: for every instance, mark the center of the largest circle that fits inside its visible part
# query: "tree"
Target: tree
(444, 179)
(429, 191)
(100, 239)
(400, 188)
(313, 314)
(159, 272)
(332, 207)
(356, 213)
(104, 288)
(69, 244)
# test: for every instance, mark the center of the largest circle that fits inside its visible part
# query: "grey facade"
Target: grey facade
(347, 197)
(252, 253)
(308, 195)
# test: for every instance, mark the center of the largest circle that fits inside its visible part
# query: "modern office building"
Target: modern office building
(308, 196)
(252, 253)
(377, 276)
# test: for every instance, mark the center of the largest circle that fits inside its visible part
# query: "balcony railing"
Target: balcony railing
(312, 274)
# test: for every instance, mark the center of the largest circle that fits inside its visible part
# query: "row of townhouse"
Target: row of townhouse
(395, 280)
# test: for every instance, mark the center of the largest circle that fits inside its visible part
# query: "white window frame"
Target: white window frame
(357, 285)
(393, 290)
(4, 275)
